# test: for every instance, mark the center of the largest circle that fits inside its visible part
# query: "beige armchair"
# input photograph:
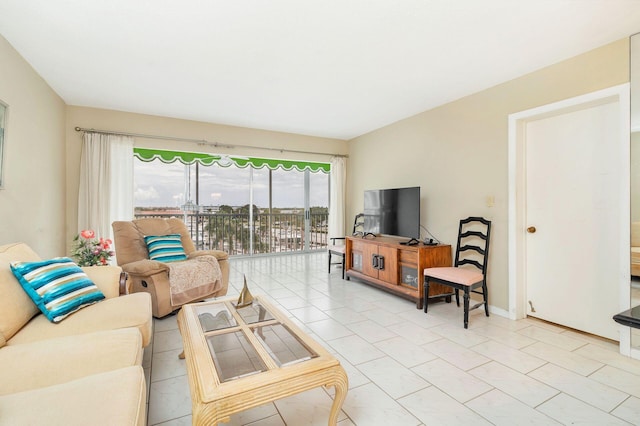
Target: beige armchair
(151, 276)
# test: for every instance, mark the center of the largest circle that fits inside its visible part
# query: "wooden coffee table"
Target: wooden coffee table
(241, 358)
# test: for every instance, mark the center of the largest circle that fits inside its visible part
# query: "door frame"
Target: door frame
(517, 195)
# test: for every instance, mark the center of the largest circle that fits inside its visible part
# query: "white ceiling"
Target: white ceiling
(333, 68)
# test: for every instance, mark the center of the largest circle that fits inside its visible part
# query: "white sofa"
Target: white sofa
(83, 370)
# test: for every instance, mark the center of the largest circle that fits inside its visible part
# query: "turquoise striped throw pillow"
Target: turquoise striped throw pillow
(57, 286)
(165, 248)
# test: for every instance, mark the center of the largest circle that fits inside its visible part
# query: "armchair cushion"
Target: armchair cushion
(165, 248)
(145, 267)
(129, 237)
(220, 255)
(57, 286)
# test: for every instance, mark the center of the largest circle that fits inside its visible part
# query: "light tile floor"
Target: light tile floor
(410, 368)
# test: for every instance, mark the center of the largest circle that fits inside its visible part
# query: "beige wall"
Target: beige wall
(32, 203)
(457, 153)
(102, 119)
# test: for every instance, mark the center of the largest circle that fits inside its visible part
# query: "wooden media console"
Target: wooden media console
(385, 263)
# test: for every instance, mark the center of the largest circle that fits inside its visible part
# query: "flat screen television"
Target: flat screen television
(393, 212)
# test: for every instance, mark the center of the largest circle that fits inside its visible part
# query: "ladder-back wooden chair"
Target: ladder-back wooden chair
(469, 272)
(339, 249)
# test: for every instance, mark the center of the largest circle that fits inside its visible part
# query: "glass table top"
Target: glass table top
(239, 339)
(254, 313)
(283, 346)
(233, 356)
(215, 317)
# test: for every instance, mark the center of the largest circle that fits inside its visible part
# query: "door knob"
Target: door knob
(531, 229)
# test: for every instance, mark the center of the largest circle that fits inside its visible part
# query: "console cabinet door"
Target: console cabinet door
(389, 272)
(408, 268)
(368, 252)
(355, 255)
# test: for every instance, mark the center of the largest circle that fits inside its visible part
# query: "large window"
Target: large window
(244, 206)
(158, 186)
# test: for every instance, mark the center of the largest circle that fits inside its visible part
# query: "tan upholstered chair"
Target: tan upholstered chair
(151, 276)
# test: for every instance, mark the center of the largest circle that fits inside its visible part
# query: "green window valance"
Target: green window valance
(165, 156)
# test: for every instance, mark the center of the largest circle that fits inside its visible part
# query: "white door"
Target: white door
(572, 163)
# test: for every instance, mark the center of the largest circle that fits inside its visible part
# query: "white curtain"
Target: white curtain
(106, 182)
(337, 184)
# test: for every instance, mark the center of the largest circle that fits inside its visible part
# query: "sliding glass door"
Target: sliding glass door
(317, 190)
(241, 210)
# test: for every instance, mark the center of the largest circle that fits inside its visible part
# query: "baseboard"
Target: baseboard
(499, 311)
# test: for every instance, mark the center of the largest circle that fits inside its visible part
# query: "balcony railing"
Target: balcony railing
(272, 233)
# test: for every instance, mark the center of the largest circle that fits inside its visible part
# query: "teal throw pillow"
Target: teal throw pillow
(57, 286)
(165, 248)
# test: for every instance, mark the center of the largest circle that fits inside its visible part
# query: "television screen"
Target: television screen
(393, 212)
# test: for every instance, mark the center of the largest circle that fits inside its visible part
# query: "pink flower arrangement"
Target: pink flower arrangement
(90, 251)
(88, 234)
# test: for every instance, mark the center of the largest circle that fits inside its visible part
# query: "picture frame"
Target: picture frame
(4, 109)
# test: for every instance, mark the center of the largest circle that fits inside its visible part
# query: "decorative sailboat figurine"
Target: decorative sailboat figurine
(245, 298)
